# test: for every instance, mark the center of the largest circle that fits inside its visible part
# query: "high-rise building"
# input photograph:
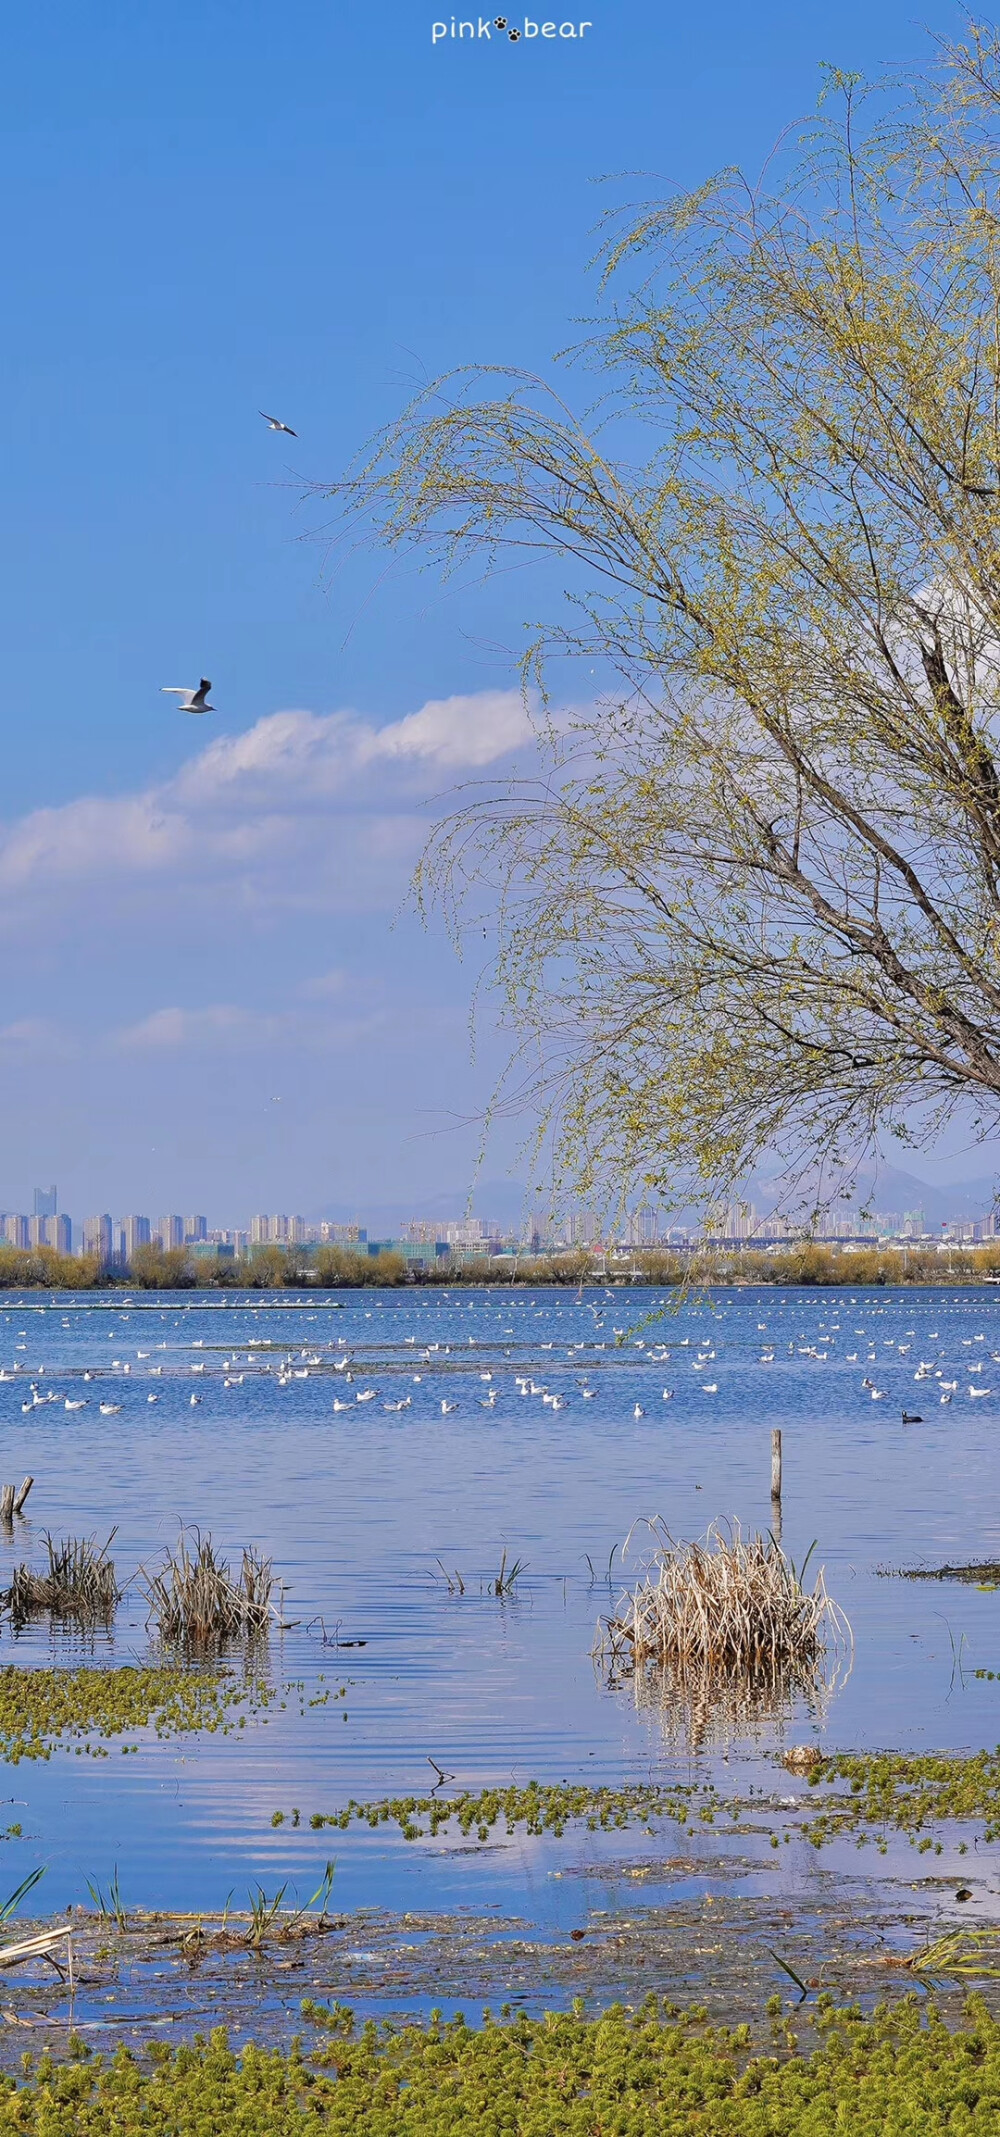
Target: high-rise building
(277, 1228)
(195, 1227)
(99, 1238)
(15, 1230)
(36, 1231)
(135, 1233)
(297, 1230)
(258, 1231)
(46, 1202)
(172, 1231)
(59, 1234)
(643, 1228)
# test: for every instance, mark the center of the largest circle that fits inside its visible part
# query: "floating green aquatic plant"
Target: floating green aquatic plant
(562, 2075)
(906, 1793)
(541, 1807)
(41, 1707)
(886, 1791)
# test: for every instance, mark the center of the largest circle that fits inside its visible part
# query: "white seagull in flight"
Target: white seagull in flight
(273, 424)
(193, 700)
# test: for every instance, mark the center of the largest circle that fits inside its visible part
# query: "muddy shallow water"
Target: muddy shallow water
(362, 1506)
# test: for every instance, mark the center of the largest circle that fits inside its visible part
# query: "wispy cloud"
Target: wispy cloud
(310, 808)
(226, 1026)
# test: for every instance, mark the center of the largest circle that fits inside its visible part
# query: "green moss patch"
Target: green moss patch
(626, 2074)
(41, 1708)
(893, 1792)
(541, 1807)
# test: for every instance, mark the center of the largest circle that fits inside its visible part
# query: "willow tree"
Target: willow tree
(752, 901)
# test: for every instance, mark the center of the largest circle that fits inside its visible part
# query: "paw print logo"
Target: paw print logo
(499, 22)
(513, 35)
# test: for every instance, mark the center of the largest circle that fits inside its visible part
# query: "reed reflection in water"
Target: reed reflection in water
(722, 1636)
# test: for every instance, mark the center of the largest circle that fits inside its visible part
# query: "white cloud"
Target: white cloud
(167, 1028)
(315, 757)
(325, 986)
(27, 1034)
(222, 1026)
(303, 808)
(458, 733)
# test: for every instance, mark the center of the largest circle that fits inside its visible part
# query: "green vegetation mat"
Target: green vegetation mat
(541, 1807)
(886, 1792)
(38, 1708)
(646, 2073)
(890, 1792)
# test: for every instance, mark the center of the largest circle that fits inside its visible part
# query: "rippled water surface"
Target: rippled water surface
(361, 1507)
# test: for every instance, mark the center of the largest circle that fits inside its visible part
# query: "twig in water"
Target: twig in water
(441, 1775)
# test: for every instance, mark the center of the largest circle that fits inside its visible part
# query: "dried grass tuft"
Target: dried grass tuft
(80, 1583)
(722, 1633)
(195, 1601)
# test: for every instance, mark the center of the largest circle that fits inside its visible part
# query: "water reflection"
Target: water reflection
(357, 1505)
(723, 1637)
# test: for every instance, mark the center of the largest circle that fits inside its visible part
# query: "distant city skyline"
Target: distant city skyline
(739, 1223)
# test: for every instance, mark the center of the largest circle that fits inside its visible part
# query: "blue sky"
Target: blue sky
(208, 998)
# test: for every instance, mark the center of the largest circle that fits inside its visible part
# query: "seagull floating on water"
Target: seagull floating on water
(191, 700)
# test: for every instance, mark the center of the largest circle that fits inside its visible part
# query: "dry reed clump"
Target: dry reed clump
(80, 1583)
(722, 1633)
(197, 1604)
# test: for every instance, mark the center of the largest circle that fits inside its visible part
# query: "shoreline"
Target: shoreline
(45, 1274)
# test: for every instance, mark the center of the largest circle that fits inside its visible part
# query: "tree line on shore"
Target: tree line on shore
(275, 1268)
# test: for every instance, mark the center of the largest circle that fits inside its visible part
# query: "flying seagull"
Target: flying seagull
(273, 424)
(193, 700)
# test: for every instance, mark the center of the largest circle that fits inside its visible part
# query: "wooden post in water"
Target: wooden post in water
(23, 1493)
(776, 1480)
(7, 1503)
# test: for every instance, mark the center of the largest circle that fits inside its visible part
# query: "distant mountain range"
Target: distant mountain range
(888, 1191)
(508, 1203)
(504, 1201)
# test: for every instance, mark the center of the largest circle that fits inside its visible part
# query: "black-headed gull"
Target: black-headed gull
(273, 424)
(191, 700)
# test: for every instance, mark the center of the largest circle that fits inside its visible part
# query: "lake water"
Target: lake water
(357, 1506)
